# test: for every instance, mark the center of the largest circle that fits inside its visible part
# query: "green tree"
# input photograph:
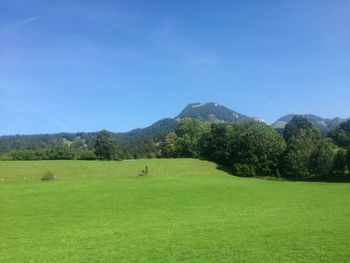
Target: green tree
(169, 146)
(258, 146)
(216, 144)
(339, 165)
(24, 155)
(60, 153)
(322, 159)
(78, 144)
(296, 160)
(346, 126)
(295, 125)
(250, 148)
(87, 155)
(348, 158)
(105, 148)
(189, 131)
(341, 134)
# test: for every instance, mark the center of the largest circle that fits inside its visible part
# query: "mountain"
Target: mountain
(320, 123)
(135, 143)
(212, 112)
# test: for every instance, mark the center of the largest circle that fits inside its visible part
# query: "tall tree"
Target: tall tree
(296, 160)
(189, 131)
(339, 165)
(216, 144)
(170, 144)
(295, 125)
(104, 147)
(322, 159)
(341, 134)
(257, 146)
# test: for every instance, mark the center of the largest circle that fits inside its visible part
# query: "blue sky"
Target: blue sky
(88, 65)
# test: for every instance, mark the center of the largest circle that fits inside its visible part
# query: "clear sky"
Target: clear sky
(74, 65)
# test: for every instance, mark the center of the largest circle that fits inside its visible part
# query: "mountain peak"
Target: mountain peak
(211, 111)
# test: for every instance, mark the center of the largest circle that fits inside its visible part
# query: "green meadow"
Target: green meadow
(185, 210)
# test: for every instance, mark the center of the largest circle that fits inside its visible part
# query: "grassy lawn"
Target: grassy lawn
(186, 210)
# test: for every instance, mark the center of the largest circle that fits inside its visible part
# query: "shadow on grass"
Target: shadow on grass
(231, 172)
(224, 169)
(330, 179)
(338, 178)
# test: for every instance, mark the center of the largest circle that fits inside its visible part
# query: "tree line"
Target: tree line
(249, 148)
(255, 149)
(79, 146)
(135, 144)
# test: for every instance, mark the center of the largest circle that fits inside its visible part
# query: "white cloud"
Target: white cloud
(25, 22)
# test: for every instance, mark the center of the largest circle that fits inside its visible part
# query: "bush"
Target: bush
(244, 170)
(48, 176)
(151, 155)
(144, 171)
(5, 157)
(60, 153)
(24, 155)
(88, 155)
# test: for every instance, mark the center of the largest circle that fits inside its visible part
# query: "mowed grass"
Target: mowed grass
(185, 211)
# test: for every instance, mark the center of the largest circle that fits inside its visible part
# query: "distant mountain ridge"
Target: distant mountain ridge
(323, 124)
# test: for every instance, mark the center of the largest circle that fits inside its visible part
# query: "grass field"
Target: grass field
(185, 211)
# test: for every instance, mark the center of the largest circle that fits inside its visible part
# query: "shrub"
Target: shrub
(144, 171)
(243, 170)
(88, 155)
(60, 153)
(48, 176)
(151, 155)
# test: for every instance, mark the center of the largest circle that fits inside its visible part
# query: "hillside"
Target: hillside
(155, 131)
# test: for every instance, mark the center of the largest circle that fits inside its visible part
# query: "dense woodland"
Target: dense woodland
(255, 149)
(248, 148)
(138, 143)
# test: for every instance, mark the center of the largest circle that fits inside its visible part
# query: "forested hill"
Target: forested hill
(156, 130)
(133, 144)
